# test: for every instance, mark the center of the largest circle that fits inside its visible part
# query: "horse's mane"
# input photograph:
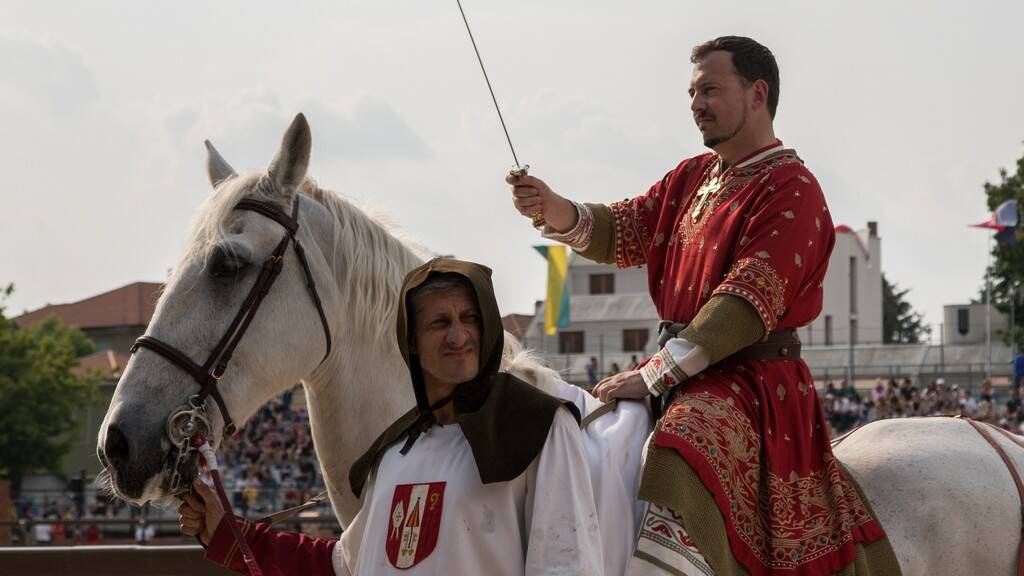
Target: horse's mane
(528, 365)
(370, 260)
(370, 256)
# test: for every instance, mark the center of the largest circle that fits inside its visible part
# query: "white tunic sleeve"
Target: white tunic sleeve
(564, 535)
(346, 551)
(677, 361)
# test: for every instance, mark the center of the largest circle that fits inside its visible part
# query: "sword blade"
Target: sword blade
(489, 88)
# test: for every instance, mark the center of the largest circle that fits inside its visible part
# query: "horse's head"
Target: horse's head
(225, 257)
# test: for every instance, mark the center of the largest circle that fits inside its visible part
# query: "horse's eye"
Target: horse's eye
(225, 264)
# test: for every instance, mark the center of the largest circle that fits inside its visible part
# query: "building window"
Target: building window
(963, 321)
(828, 330)
(635, 340)
(570, 342)
(602, 283)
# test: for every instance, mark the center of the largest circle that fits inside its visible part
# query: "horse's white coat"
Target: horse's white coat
(941, 492)
(943, 495)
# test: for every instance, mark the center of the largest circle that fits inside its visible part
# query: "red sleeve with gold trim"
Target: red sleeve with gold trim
(636, 219)
(277, 553)
(783, 252)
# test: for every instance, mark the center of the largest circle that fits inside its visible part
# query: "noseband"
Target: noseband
(189, 419)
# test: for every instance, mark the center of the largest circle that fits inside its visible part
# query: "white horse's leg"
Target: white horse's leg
(942, 494)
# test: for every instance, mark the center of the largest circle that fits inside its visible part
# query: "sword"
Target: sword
(518, 169)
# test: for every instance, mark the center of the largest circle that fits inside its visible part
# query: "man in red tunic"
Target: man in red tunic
(736, 243)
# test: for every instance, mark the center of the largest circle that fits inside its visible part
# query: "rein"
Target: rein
(188, 425)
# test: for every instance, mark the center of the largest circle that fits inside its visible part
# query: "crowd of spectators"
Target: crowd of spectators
(846, 407)
(270, 464)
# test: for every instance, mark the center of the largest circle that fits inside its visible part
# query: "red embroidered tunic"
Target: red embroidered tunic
(753, 431)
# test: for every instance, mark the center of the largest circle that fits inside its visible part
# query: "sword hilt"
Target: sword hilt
(523, 170)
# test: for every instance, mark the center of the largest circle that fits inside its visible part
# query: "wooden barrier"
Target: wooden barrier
(108, 560)
(6, 512)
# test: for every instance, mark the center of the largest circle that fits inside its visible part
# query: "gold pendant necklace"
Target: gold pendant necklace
(704, 194)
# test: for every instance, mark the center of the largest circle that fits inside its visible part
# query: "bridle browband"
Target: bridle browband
(211, 371)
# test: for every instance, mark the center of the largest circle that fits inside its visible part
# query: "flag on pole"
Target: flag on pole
(1004, 221)
(556, 307)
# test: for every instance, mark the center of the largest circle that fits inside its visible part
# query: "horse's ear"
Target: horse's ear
(288, 168)
(217, 168)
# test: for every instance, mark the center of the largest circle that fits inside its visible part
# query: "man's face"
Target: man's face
(718, 98)
(446, 335)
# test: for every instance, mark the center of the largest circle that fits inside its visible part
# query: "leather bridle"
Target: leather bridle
(188, 420)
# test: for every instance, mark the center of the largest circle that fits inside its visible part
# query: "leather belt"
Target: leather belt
(779, 345)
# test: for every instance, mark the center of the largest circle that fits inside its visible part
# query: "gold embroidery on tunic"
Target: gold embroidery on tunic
(793, 521)
(632, 238)
(709, 199)
(757, 282)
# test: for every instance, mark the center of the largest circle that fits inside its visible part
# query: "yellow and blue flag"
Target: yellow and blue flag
(556, 308)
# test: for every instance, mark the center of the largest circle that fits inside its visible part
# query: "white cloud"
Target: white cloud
(42, 72)
(247, 128)
(105, 106)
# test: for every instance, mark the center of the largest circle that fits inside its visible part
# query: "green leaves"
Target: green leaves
(1008, 261)
(39, 394)
(900, 323)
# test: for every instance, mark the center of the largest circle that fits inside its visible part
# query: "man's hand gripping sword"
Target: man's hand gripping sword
(519, 169)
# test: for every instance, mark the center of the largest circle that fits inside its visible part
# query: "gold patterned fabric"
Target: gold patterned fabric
(754, 280)
(752, 431)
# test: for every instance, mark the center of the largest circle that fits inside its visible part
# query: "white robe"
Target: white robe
(615, 449)
(542, 522)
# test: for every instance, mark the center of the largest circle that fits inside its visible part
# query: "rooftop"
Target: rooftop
(130, 305)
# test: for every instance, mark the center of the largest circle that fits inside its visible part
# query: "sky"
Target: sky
(902, 110)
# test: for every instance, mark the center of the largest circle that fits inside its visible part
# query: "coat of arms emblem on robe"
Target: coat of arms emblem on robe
(415, 523)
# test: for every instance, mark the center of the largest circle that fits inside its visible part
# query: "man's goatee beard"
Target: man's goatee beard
(711, 140)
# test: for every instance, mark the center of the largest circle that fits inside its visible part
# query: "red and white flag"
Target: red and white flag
(1005, 216)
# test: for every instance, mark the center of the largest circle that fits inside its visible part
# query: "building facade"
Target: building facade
(612, 318)
(966, 324)
(852, 307)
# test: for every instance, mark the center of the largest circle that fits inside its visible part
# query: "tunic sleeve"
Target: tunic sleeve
(634, 220)
(277, 553)
(783, 251)
(564, 535)
(346, 552)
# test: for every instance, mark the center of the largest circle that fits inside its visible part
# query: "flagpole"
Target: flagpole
(1005, 217)
(988, 313)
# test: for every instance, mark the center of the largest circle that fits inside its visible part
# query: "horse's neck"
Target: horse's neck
(364, 385)
(350, 408)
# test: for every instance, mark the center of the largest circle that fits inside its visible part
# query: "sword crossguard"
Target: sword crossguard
(518, 170)
(523, 170)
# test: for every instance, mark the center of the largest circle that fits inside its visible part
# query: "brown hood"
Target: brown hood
(492, 337)
(504, 419)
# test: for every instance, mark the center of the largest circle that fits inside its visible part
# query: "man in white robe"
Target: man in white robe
(487, 475)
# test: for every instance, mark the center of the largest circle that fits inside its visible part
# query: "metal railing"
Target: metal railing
(139, 529)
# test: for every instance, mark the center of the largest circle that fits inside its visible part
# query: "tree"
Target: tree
(1007, 260)
(900, 323)
(40, 396)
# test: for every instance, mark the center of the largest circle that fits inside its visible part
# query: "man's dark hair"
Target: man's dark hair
(437, 282)
(752, 61)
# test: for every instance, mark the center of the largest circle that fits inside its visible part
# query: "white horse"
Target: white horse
(946, 500)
